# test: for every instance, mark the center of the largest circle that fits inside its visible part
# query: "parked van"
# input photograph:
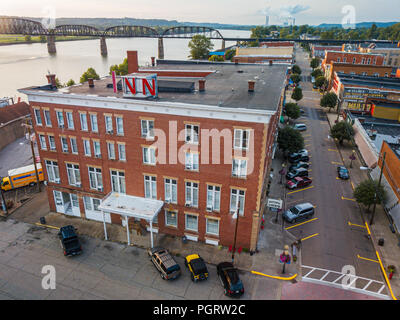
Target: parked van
(21, 177)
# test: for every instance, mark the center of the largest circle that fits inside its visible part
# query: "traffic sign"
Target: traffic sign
(274, 203)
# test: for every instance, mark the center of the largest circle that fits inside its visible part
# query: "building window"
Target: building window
(147, 129)
(191, 194)
(74, 146)
(121, 152)
(42, 140)
(97, 149)
(109, 124)
(52, 143)
(374, 61)
(149, 155)
(239, 168)
(47, 118)
(192, 161)
(191, 222)
(118, 181)
(171, 218)
(213, 197)
(212, 226)
(52, 171)
(86, 148)
(241, 139)
(64, 144)
(93, 123)
(236, 196)
(70, 120)
(354, 60)
(74, 176)
(192, 133)
(344, 60)
(363, 61)
(338, 59)
(38, 117)
(60, 119)
(84, 124)
(171, 190)
(91, 204)
(150, 187)
(120, 125)
(369, 61)
(376, 74)
(111, 150)
(95, 178)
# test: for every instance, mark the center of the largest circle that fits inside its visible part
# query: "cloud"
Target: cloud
(284, 11)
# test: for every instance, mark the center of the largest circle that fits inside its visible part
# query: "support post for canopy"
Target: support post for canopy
(151, 232)
(127, 231)
(104, 223)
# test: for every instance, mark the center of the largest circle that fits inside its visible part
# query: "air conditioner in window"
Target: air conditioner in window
(78, 184)
(189, 167)
(100, 189)
(188, 203)
(209, 208)
(97, 155)
(110, 131)
(167, 200)
(57, 180)
(232, 210)
(61, 126)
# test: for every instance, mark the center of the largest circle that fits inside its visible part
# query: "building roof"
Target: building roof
(379, 45)
(386, 104)
(396, 148)
(381, 83)
(13, 112)
(226, 86)
(265, 51)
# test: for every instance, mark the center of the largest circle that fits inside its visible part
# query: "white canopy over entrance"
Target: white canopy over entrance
(131, 206)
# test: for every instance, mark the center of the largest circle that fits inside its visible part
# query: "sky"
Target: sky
(252, 12)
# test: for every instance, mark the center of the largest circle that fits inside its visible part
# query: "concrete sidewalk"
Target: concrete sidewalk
(390, 251)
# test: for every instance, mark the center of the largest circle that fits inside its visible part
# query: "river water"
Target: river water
(26, 65)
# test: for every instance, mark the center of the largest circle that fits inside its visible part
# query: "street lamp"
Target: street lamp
(282, 172)
(235, 216)
(352, 157)
(29, 127)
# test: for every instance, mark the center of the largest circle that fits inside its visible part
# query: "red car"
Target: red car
(298, 182)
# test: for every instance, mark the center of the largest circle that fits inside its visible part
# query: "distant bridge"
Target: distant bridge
(11, 25)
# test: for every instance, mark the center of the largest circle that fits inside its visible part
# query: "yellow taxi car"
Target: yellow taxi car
(197, 267)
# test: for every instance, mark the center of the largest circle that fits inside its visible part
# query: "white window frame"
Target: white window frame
(87, 148)
(52, 142)
(241, 142)
(60, 119)
(119, 125)
(171, 190)
(64, 144)
(47, 117)
(168, 222)
(70, 120)
(190, 133)
(192, 161)
(146, 131)
(150, 187)
(149, 154)
(237, 194)
(186, 222)
(213, 198)
(42, 140)
(239, 170)
(95, 178)
(111, 150)
(74, 175)
(108, 124)
(53, 172)
(93, 123)
(83, 120)
(207, 227)
(121, 151)
(96, 143)
(74, 145)
(190, 189)
(119, 178)
(38, 117)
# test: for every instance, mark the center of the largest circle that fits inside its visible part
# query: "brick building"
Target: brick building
(318, 51)
(352, 57)
(276, 44)
(114, 156)
(390, 51)
(264, 55)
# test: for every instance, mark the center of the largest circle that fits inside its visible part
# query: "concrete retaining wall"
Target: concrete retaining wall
(11, 131)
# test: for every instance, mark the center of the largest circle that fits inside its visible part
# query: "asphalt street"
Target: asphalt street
(334, 243)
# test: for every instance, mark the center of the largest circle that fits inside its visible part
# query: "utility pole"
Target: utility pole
(377, 189)
(234, 240)
(28, 126)
(3, 202)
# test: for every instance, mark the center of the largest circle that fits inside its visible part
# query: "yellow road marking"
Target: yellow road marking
(47, 226)
(300, 190)
(274, 277)
(343, 198)
(307, 145)
(359, 257)
(333, 162)
(352, 185)
(333, 150)
(357, 225)
(314, 235)
(299, 224)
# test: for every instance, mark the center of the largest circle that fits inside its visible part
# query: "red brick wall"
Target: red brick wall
(134, 167)
(333, 56)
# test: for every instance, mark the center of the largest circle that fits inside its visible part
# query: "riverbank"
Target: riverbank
(6, 40)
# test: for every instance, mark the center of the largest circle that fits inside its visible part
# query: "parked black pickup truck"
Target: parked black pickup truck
(69, 241)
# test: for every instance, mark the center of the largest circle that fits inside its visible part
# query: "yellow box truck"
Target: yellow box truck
(21, 177)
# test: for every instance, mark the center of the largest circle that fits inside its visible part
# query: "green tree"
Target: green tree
(295, 78)
(329, 100)
(28, 38)
(297, 94)
(42, 38)
(314, 63)
(292, 110)
(214, 57)
(290, 140)
(296, 69)
(342, 131)
(200, 47)
(317, 73)
(120, 69)
(369, 192)
(89, 73)
(229, 54)
(70, 82)
(321, 82)
(58, 83)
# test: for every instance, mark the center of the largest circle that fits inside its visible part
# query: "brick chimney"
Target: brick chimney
(251, 85)
(153, 61)
(51, 79)
(202, 85)
(91, 82)
(133, 65)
